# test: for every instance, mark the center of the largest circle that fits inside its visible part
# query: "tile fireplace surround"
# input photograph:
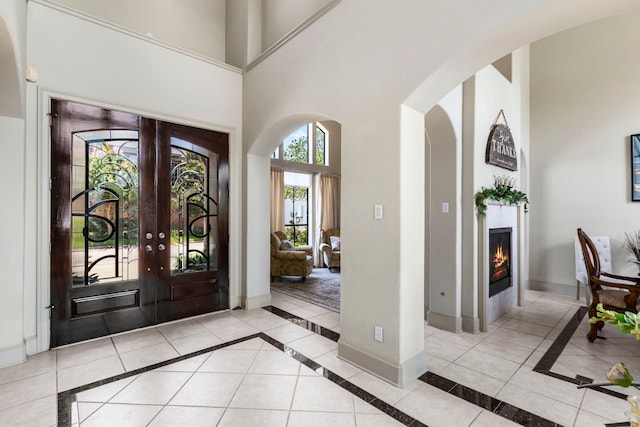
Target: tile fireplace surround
(279, 366)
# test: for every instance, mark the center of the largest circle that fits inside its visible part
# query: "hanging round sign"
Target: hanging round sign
(501, 150)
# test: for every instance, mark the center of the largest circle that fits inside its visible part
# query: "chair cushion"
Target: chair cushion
(612, 297)
(286, 245)
(335, 243)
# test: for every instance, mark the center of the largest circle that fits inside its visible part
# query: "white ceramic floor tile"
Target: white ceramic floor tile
(229, 360)
(253, 417)
(381, 389)
(188, 365)
(35, 365)
(148, 356)
(138, 339)
(604, 405)
(488, 419)
(77, 354)
(265, 392)
(26, 390)
(105, 392)
(539, 404)
(288, 333)
(332, 362)
(472, 379)
(152, 388)
(87, 373)
(551, 387)
(234, 332)
(266, 323)
(512, 352)
(42, 412)
(443, 349)
(274, 362)
(85, 410)
(181, 329)
(313, 345)
(195, 342)
(442, 410)
(320, 419)
(320, 394)
(122, 415)
(208, 389)
(527, 327)
(376, 420)
(487, 364)
(171, 416)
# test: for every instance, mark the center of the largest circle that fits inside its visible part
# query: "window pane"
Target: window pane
(104, 207)
(295, 147)
(194, 211)
(296, 214)
(321, 139)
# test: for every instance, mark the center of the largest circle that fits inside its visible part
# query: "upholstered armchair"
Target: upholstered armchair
(283, 237)
(289, 262)
(330, 248)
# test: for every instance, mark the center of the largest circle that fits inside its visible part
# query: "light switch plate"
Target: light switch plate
(377, 333)
(378, 212)
(445, 207)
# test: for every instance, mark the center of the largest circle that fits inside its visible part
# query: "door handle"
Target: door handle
(161, 247)
(148, 248)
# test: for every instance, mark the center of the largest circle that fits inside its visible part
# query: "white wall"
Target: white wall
(200, 27)
(584, 106)
(13, 33)
(409, 52)
(281, 16)
(113, 69)
(13, 324)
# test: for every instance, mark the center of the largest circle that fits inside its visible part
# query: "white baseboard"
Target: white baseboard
(556, 288)
(31, 344)
(444, 322)
(256, 302)
(12, 355)
(471, 324)
(399, 376)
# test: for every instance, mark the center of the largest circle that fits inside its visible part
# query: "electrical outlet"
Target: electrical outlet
(445, 207)
(377, 333)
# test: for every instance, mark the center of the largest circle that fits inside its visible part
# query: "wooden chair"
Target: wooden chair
(615, 292)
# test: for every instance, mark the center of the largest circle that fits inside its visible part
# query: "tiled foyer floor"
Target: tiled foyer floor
(260, 380)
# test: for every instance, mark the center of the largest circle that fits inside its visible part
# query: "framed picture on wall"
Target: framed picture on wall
(635, 168)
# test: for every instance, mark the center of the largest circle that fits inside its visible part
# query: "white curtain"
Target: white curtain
(277, 199)
(328, 208)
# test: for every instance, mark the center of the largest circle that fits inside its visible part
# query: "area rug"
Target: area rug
(322, 288)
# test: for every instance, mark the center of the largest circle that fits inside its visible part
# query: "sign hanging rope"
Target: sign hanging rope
(501, 150)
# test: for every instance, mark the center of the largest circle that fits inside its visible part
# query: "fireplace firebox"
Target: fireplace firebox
(500, 276)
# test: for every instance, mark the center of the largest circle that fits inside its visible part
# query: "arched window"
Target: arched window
(298, 148)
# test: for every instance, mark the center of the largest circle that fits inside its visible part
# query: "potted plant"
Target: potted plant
(632, 242)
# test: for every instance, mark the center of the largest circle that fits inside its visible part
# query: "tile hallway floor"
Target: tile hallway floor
(254, 383)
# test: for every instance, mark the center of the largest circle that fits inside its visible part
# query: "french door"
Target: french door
(139, 222)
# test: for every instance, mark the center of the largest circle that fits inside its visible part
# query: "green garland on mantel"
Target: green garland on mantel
(502, 191)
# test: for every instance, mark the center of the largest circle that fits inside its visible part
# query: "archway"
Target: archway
(257, 285)
(442, 226)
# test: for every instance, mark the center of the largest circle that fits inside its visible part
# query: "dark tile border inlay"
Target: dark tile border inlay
(468, 394)
(66, 398)
(550, 357)
(496, 406)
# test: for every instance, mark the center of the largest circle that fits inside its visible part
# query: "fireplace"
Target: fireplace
(499, 260)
